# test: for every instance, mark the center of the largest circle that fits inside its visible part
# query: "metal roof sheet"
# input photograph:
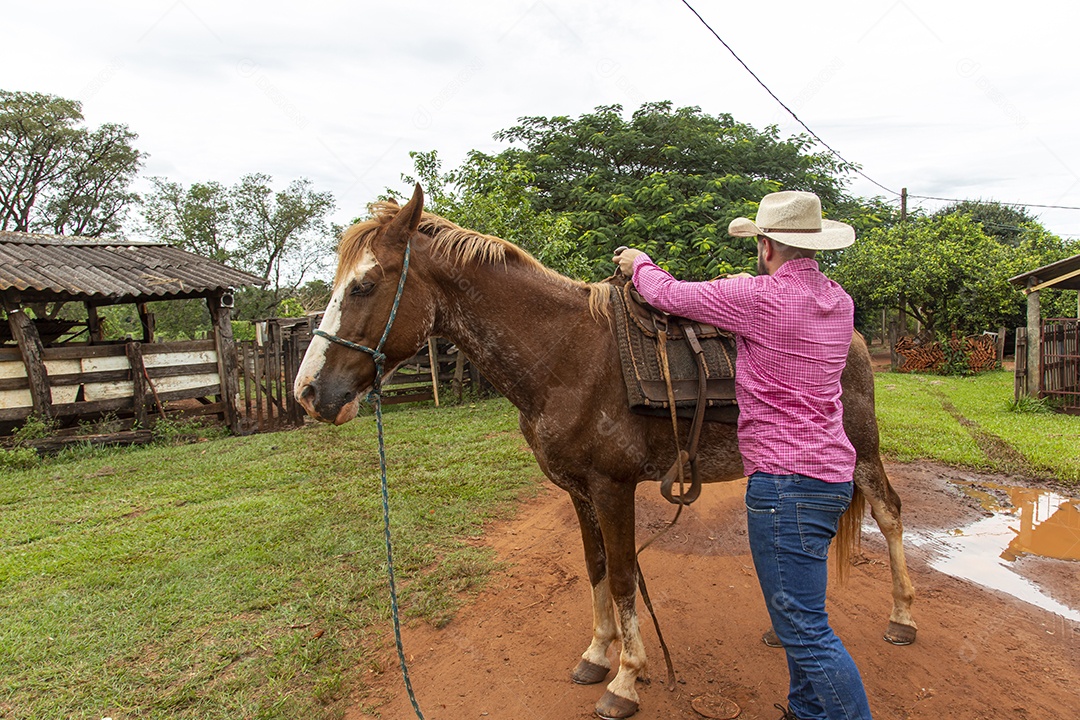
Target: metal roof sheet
(1068, 270)
(109, 268)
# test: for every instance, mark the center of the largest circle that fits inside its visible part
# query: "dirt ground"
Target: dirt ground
(509, 652)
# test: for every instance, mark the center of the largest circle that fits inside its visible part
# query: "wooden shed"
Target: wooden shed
(66, 370)
(1048, 350)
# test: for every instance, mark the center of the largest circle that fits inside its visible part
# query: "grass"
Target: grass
(918, 419)
(243, 577)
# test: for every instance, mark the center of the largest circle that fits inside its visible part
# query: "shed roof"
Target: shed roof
(1063, 274)
(73, 267)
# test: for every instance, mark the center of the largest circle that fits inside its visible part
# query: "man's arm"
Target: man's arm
(728, 304)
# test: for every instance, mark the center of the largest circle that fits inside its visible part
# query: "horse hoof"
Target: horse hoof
(898, 634)
(587, 673)
(612, 707)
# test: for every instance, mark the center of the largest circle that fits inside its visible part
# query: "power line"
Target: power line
(1010, 204)
(781, 102)
(850, 164)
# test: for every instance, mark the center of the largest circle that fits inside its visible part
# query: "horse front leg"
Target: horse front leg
(614, 503)
(594, 664)
(885, 508)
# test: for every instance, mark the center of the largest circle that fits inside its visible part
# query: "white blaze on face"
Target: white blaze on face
(315, 357)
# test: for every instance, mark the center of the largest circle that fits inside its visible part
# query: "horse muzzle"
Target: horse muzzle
(326, 404)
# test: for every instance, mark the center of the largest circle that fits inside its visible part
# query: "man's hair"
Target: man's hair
(789, 252)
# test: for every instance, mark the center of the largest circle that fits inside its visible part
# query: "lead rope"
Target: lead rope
(375, 396)
(376, 392)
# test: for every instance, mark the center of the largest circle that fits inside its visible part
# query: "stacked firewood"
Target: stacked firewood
(922, 355)
(919, 355)
(981, 352)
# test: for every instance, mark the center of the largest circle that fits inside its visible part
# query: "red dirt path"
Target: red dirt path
(508, 653)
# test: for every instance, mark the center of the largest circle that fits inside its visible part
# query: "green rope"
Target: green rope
(375, 396)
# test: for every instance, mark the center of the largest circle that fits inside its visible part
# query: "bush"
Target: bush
(18, 458)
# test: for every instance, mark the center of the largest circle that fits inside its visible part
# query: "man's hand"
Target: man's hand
(624, 258)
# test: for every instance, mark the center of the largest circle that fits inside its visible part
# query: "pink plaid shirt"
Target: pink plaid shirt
(792, 332)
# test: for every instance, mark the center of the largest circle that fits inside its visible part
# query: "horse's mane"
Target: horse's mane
(461, 246)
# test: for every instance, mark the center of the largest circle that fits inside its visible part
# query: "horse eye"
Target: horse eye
(363, 288)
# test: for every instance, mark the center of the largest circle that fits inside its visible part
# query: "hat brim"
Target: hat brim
(832, 236)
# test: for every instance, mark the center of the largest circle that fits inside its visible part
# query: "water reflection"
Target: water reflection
(1031, 523)
(1048, 524)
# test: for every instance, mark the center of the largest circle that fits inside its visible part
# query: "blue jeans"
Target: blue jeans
(792, 520)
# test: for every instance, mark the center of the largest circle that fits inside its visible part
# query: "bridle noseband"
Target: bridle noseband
(376, 354)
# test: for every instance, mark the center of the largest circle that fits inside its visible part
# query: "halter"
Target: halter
(376, 354)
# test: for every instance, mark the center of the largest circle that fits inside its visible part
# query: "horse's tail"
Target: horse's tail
(849, 534)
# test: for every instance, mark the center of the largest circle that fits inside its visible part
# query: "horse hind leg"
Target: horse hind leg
(885, 509)
(614, 503)
(594, 664)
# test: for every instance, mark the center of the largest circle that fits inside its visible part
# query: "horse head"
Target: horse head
(340, 365)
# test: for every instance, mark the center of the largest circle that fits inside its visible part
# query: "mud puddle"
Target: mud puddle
(1019, 522)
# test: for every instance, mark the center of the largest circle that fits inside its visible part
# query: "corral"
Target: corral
(67, 370)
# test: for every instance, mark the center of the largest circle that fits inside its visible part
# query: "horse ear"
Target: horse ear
(407, 219)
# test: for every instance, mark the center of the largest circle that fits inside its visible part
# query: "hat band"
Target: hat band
(790, 230)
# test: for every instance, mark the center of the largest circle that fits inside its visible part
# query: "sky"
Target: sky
(943, 99)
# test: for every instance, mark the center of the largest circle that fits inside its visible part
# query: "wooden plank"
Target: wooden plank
(110, 376)
(8, 354)
(77, 351)
(433, 368)
(185, 382)
(16, 398)
(245, 368)
(139, 381)
(260, 368)
(221, 318)
(199, 357)
(13, 414)
(180, 346)
(25, 334)
(400, 399)
(93, 323)
(14, 383)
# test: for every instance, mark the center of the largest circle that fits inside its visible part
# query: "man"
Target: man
(793, 327)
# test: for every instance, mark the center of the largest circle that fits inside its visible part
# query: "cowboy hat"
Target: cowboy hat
(794, 218)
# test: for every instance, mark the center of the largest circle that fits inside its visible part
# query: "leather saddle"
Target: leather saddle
(674, 367)
(690, 347)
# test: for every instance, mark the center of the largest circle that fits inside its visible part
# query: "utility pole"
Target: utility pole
(903, 204)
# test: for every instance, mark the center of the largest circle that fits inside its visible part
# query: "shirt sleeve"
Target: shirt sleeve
(729, 303)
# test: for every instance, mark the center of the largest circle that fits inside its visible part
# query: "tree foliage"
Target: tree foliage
(946, 271)
(57, 176)
(491, 195)
(280, 236)
(1007, 223)
(665, 180)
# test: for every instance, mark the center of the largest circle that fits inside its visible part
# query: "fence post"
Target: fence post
(1034, 344)
(33, 356)
(227, 361)
(1020, 369)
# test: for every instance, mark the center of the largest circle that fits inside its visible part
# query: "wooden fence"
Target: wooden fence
(129, 379)
(269, 365)
(1059, 371)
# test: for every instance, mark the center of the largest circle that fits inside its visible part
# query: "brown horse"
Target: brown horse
(546, 343)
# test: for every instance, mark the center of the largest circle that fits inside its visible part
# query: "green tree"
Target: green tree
(1007, 223)
(280, 236)
(945, 271)
(490, 195)
(57, 176)
(665, 180)
(196, 218)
